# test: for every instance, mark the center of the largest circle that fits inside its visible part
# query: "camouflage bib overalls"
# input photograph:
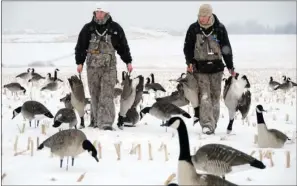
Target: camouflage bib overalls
(102, 75)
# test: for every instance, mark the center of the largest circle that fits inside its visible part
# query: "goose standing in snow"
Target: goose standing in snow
(176, 98)
(36, 75)
(65, 115)
(25, 75)
(70, 142)
(285, 86)
(33, 110)
(190, 87)
(272, 84)
(53, 86)
(78, 97)
(55, 78)
(127, 98)
(219, 160)
(268, 138)
(35, 79)
(236, 97)
(285, 79)
(14, 88)
(187, 174)
(163, 110)
(152, 85)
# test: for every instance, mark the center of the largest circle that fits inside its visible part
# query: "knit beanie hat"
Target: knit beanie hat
(205, 10)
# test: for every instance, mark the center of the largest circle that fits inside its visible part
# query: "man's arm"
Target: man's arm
(226, 49)
(122, 46)
(82, 45)
(189, 44)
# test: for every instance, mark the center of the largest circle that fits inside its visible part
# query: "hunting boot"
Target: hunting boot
(120, 122)
(92, 122)
(196, 115)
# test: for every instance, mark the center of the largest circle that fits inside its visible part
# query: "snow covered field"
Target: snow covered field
(277, 53)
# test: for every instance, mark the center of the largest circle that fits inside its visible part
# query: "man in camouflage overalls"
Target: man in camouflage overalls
(98, 42)
(206, 45)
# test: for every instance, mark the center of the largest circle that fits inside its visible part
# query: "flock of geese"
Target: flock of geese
(216, 160)
(285, 85)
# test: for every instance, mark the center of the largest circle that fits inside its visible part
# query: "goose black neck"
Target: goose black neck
(55, 77)
(148, 81)
(184, 144)
(153, 78)
(260, 118)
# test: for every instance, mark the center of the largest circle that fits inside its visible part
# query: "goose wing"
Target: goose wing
(64, 115)
(169, 108)
(35, 107)
(278, 134)
(227, 86)
(244, 103)
(208, 179)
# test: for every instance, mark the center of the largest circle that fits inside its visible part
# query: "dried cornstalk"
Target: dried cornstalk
(28, 144)
(32, 148)
(288, 159)
(20, 153)
(260, 155)
(255, 139)
(100, 150)
(139, 151)
(15, 146)
(170, 178)
(81, 177)
(150, 151)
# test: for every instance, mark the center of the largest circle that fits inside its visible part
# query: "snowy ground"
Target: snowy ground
(41, 168)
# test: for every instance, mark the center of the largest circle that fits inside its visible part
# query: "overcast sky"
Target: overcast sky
(69, 17)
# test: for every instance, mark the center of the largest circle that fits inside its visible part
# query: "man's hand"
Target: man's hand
(190, 68)
(79, 68)
(129, 67)
(232, 72)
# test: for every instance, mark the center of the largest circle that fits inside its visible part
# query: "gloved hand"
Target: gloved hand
(232, 72)
(79, 68)
(129, 67)
(190, 68)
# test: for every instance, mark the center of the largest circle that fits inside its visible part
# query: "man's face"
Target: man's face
(100, 15)
(204, 19)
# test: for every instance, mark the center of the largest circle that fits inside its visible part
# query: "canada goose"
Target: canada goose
(33, 110)
(127, 98)
(65, 115)
(163, 110)
(25, 75)
(55, 78)
(70, 142)
(36, 75)
(284, 79)
(183, 75)
(293, 83)
(78, 97)
(190, 87)
(187, 174)
(67, 101)
(219, 160)
(53, 86)
(132, 117)
(272, 84)
(176, 98)
(236, 97)
(268, 138)
(139, 91)
(14, 88)
(285, 86)
(36, 78)
(152, 85)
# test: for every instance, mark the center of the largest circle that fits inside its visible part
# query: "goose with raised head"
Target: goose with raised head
(70, 142)
(272, 84)
(187, 174)
(151, 85)
(237, 97)
(33, 110)
(268, 138)
(127, 98)
(285, 86)
(25, 75)
(78, 97)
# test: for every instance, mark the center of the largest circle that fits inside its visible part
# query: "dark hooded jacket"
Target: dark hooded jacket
(118, 40)
(222, 37)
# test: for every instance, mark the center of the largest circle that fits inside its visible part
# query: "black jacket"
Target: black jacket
(118, 40)
(222, 36)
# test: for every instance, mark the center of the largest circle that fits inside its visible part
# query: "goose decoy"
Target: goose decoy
(163, 110)
(78, 97)
(14, 88)
(268, 138)
(152, 85)
(183, 75)
(53, 86)
(56, 75)
(285, 86)
(36, 78)
(25, 75)
(176, 98)
(70, 142)
(33, 110)
(219, 160)
(272, 84)
(127, 98)
(55, 78)
(36, 75)
(187, 174)
(190, 87)
(65, 115)
(236, 97)
(293, 83)
(284, 79)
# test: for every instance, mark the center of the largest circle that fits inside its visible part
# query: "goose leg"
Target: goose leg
(72, 161)
(30, 123)
(67, 163)
(61, 162)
